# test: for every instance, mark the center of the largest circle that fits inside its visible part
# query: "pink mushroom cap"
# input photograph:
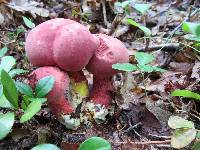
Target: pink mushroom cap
(110, 51)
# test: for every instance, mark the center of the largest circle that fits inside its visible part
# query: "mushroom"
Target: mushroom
(68, 45)
(110, 51)
(58, 97)
(61, 42)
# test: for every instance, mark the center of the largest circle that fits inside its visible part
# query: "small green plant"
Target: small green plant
(95, 143)
(184, 133)
(28, 22)
(193, 29)
(143, 60)
(31, 102)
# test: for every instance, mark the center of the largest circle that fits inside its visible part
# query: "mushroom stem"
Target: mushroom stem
(78, 87)
(57, 100)
(101, 91)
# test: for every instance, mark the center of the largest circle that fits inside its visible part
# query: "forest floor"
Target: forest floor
(143, 103)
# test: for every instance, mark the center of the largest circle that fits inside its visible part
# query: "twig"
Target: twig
(104, 13)
(147, 142)
(165, 47)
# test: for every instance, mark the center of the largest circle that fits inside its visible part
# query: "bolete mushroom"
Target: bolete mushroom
(57, 98)
(110, 51)
(68, 45)
(61, 42)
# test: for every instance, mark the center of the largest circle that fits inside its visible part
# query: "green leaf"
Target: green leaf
(148, 68)
(24, 88)
(192, 37)
(143, 28)
(6, 123)
(196, 146)
(145, 68)
(19, 30)
(182, 137)
(191, 27)
(176, 122)
(144, 58)
(4, 103)
(186, 94)
(44, 86)
(197, 44)
(142, 8)
(7, 62)
(9, 88)
(25, 102)
(45, 147)
(32, 109)
(125, 3)
(124, 67)
(42, 100)
(15, 72)
(95, 143)
(28, 22)
(3, 51)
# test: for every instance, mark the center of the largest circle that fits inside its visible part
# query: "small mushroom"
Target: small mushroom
(58, 100)
(110, 51)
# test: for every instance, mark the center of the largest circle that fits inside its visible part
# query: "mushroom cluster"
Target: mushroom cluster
(62, 48)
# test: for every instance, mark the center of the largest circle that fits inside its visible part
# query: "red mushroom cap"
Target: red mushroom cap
(57, 101)
(39, 42)
(61, 42)
(73, 47)
(110, 51)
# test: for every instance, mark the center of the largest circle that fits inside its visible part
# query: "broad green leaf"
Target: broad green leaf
(42, 100)
(95, 143)
(32, 109)
(142, 8)
(196, 146)
(191, 27)
(145, 68)
(9, 88)
(176, 122)
(148, 68)
(124, 67)
(6, 123)
(44, 86)
(143, 28)
(3, 51)
(125, 3)
(197, 44)
(25, 102)
(24, 88)
(186, 94)
(182, 137)
(45, 147)
(4, 103)
(28, 22)
(15, 72)
(192, 37)
(144, 58)
(7, 62)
